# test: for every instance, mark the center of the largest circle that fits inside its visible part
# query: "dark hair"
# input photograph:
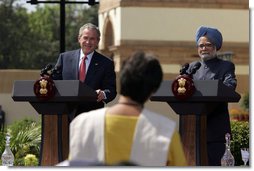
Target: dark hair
(90, 26)
(140, 75)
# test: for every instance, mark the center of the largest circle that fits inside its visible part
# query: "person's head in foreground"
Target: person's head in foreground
(140, 76)
(127, 132)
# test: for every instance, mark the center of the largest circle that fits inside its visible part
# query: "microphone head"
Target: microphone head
(184, 69)
(196, 66)
(49, 66)
(57, 72)
(58, 67)
(46, 70)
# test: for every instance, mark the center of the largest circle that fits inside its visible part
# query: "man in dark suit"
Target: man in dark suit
(98, 70)
(209, 41)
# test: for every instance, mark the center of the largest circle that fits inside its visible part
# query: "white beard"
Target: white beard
(205, 57)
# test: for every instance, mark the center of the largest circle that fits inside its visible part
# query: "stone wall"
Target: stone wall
(224, 4)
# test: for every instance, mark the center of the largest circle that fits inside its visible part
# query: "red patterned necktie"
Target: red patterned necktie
(82, 70)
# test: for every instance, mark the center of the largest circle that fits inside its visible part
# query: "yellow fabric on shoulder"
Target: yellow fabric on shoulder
(176, 154)
(119, 132)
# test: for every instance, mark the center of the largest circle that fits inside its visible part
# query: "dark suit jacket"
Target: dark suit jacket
(218, 123)
(100, 75)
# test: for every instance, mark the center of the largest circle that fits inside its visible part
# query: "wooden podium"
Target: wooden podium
(55, 113)
(192, 113)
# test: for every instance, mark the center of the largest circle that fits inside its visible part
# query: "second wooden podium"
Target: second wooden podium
(192, 113)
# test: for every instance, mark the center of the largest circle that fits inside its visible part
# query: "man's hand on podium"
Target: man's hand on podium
(101, 95)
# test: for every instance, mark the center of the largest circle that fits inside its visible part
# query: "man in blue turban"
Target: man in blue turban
(212, 34)
(209, 41)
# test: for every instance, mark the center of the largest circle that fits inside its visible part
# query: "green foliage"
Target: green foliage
(240, 139)
(2, 142)
(31, 40)
(14, 37)
(25, 139)
(245, 101)
(30, 160)
(44, 27)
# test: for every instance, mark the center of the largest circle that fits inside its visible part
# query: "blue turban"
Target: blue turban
(212, 34)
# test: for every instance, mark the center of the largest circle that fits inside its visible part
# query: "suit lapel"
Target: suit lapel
(75, 64)
(94, 64)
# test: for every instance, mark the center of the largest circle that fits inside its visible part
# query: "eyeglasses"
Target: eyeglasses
(207, 45)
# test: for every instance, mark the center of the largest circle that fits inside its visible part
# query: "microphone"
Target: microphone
(57, 72)
(195, 68)
(183, 70)
(46, 70)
